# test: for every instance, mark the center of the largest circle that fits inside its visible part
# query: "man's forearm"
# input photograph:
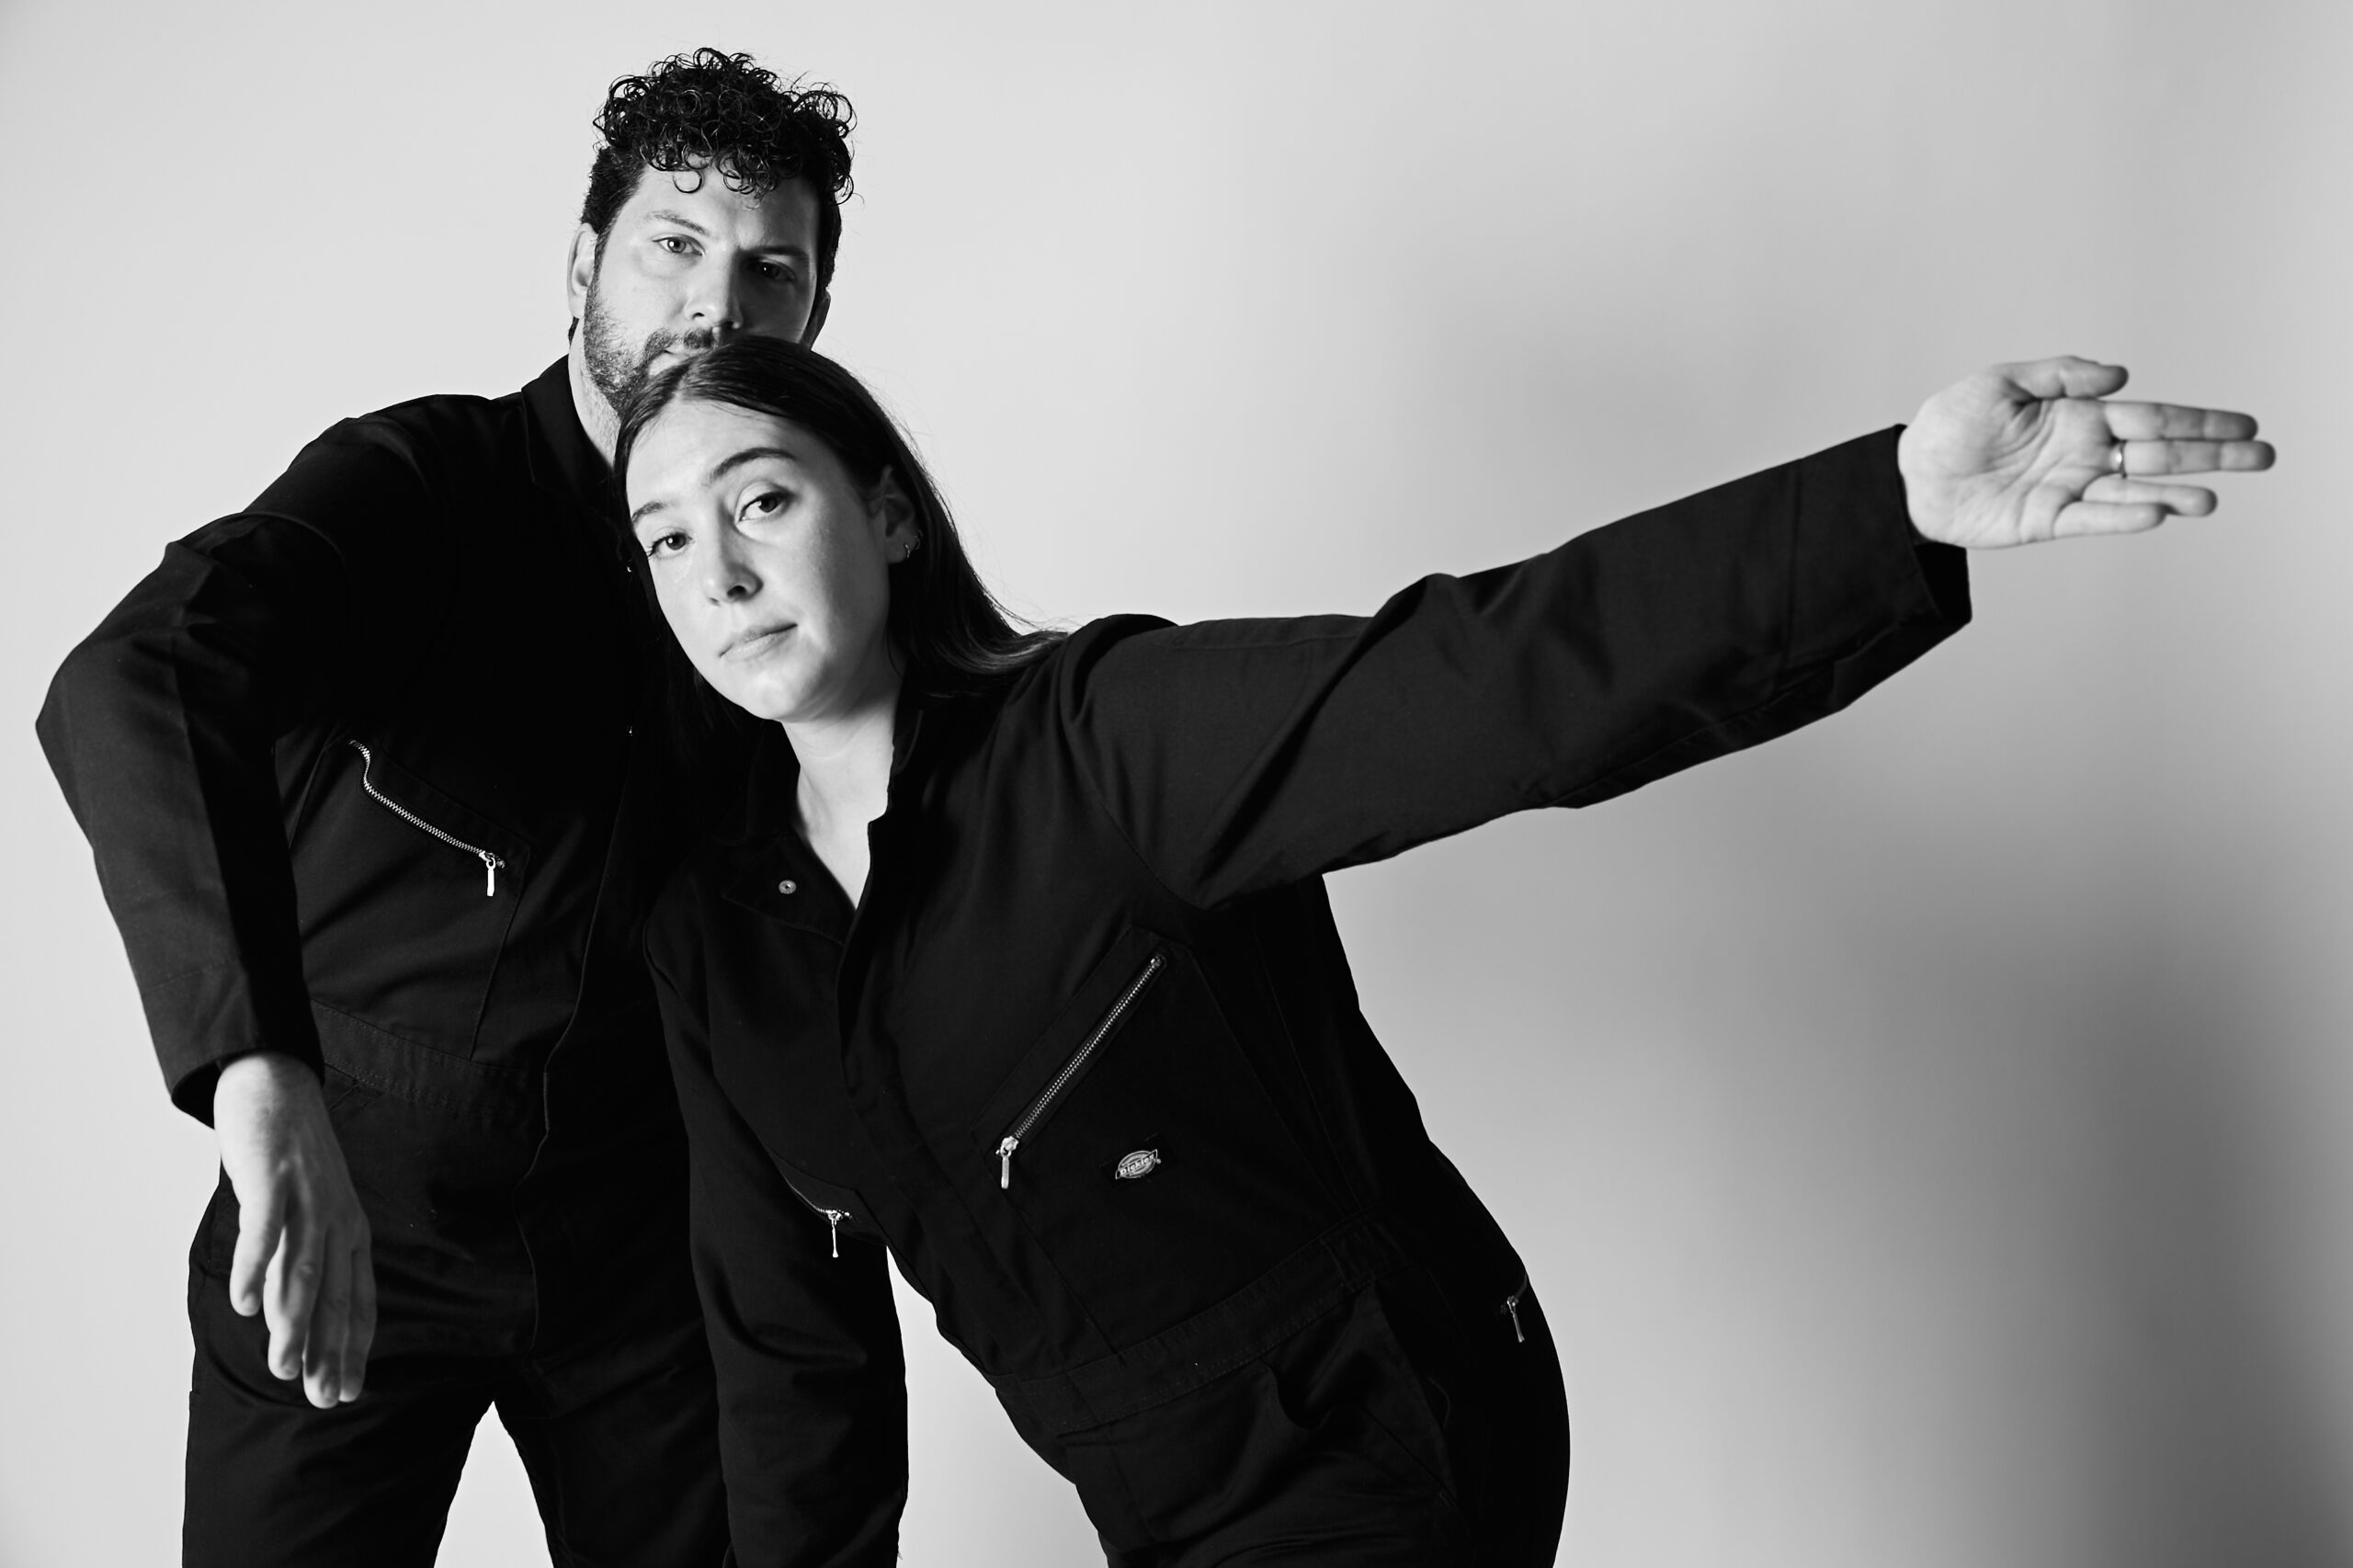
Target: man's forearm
(160, 729)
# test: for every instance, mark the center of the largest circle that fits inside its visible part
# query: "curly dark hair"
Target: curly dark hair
(711, 110)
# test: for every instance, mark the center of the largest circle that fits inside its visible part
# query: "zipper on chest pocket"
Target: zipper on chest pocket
(491, 864)
(833, 1217)
(1028, 1119)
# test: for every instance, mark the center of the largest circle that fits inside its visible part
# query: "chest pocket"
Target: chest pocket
(406, 898)
(1140, 1146)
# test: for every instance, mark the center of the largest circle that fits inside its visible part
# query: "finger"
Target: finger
(323, 1348)
(2081, 519)
(2174, 421)
(283, 1338)
(2182, 500)
(2066, 376)
(362, 1333)
(2143, 458)
(291, 1288)
(260, 1224)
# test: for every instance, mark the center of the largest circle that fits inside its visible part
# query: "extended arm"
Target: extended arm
(1241, 754)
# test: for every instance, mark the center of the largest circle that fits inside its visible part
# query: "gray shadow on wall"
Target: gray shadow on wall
(2217, 1447)
(2144, 995)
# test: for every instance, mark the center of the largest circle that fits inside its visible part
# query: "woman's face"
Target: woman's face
(770, 565)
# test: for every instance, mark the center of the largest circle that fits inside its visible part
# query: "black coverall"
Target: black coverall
(357, 765)
(1086, 1056)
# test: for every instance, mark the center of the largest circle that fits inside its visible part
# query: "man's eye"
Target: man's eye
(673, 245)
(776, 272)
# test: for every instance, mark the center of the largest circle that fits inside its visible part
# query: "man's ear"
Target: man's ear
(816, 318)
(580, 270)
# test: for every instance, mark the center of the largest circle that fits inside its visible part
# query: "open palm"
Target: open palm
(2022, 453)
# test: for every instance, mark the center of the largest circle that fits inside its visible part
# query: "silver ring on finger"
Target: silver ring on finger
(2116, 460)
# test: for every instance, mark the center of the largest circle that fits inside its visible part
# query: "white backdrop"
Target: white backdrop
(1983, 1203)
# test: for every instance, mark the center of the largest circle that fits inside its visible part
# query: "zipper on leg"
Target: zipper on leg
(833, 1218)
(1511, 1309)
(1030, 1118)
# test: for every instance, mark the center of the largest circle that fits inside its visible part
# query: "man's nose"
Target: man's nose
(718, 304)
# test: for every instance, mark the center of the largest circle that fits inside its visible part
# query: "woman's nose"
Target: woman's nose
(727, 575)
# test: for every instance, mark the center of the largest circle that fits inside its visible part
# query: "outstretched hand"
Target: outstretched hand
(2022, 453)
(302, 1256)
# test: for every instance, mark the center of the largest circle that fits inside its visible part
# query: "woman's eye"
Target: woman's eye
(766, 503)
(661, 545)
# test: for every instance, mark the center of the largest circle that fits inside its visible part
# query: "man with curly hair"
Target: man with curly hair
(362, 768)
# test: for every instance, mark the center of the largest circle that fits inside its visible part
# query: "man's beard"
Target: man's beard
(620, 371)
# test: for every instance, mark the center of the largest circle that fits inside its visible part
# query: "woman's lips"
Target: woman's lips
(759, 640)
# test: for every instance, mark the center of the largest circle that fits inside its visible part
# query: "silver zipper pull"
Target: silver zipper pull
(1005, 1163)
(489, 873)
(1511, 1310)
(834, 1218)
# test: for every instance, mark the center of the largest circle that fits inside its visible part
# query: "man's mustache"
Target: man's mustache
(696, 341)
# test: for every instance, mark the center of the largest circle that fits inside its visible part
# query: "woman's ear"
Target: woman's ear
(888, 505)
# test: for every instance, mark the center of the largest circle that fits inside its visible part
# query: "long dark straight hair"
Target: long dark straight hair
(947, 630)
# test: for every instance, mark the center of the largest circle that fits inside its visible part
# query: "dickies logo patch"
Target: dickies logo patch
(1137, 1165)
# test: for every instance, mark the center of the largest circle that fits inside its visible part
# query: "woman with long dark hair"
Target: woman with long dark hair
(1013, 956)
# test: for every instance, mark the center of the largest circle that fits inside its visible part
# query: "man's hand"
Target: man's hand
(301, 1258)
(2022, 453)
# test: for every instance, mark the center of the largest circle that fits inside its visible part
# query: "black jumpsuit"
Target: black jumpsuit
(1086, 1056)
(357, 765)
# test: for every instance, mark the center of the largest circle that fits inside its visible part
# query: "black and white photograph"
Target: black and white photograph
(1289, 782)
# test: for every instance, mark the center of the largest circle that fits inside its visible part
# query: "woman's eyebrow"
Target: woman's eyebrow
(720, 470)
(735, 461)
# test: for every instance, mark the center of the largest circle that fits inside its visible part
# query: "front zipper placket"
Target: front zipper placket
(491, 864)
(1078, 1058)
